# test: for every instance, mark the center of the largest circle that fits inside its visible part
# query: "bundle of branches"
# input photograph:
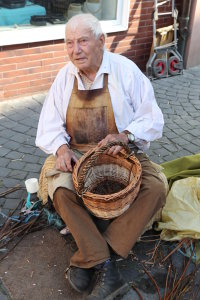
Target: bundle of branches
(16, 227)
(182, 282)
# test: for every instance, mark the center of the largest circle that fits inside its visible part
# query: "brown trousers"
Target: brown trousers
(122, 232)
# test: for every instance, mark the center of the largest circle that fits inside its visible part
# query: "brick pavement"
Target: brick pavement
(178, 97)
(19, 157)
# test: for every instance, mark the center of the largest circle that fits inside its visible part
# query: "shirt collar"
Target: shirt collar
(105, 66)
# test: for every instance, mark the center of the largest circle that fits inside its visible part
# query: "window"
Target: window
(26, 21)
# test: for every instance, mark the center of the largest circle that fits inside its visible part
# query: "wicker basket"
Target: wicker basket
(95, 168)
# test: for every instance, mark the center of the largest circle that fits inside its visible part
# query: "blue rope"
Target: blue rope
(28, 201)
(53, 219)
(31, 211)
(13, 218)
(189, 251)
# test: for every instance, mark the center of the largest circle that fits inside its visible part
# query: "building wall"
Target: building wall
(31, 68)
(192, 51)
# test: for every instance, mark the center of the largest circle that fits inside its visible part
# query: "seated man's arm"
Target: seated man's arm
(65, 159)
(147, 124)
(52, 137)
(51, 132)
(146, 117)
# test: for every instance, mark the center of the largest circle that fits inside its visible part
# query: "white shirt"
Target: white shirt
(132, 96)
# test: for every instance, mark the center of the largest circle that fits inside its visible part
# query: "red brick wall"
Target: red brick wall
(31, 68)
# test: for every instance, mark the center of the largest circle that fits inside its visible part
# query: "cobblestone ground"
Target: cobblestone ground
(178, 97)
(19, 157)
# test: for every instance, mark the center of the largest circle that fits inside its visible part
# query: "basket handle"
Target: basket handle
(93, 158)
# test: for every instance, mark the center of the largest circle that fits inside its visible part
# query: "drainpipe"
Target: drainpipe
(184, 25)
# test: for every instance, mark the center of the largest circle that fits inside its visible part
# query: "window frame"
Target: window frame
(26, 34)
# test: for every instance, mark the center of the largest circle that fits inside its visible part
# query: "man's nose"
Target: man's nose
(77, 47)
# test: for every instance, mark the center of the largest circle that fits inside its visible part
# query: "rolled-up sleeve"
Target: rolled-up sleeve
(147, 124)
(51, 133)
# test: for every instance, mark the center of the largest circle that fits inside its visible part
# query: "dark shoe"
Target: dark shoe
(109, 283)
(79, 278)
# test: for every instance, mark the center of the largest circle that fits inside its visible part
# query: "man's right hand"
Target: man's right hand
(65, 159)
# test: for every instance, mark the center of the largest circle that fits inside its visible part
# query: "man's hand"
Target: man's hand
(119, 137)
(65, 159)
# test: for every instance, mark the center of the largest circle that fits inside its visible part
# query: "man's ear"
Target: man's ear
(102, 40)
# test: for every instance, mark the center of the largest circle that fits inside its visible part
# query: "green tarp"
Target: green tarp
(187, 166)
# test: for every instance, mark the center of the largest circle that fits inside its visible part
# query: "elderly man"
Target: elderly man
(96, 98)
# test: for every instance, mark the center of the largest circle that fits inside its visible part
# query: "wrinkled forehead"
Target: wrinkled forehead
(75, 29)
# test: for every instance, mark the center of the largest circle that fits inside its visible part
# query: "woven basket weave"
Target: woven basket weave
(95, 167)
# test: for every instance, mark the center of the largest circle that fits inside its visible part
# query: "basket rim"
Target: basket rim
(127, 189)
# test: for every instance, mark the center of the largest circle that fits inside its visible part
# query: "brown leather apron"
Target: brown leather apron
(89, 119)
(89, 116)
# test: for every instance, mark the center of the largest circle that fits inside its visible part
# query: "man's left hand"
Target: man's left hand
(119, 137)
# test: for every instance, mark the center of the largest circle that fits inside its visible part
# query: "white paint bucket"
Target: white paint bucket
(32, 185)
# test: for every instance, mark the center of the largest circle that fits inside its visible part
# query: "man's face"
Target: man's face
(84, 50)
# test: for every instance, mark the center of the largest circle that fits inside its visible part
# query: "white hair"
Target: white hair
(88, 20)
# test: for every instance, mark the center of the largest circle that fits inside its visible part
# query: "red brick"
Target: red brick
(138, 23)
(50, 48)
(9, 94)
(38, 56)
(47, 74)
(11, 60)
(136, 13)
(148, 22)
(28, 77)
(52, 61)
(28, 51)
(40, 82)
(144, 40)
(29, 64)
(34, 89)
(147, 4)
(54, 74)
(10, 74)
(145, 29)
(16, 86)
(50, 74)
(24, 58)
(59, 53)
(1, 94)
(125, 44)
(53, 67)
(5, 81)
(139, 47)
(140, 52)
(5, 54)
(8, 68)
(146, 17)
(112, 40)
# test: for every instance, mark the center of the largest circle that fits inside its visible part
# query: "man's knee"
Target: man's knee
(63, 195)
(59, 195)
(158, 191)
